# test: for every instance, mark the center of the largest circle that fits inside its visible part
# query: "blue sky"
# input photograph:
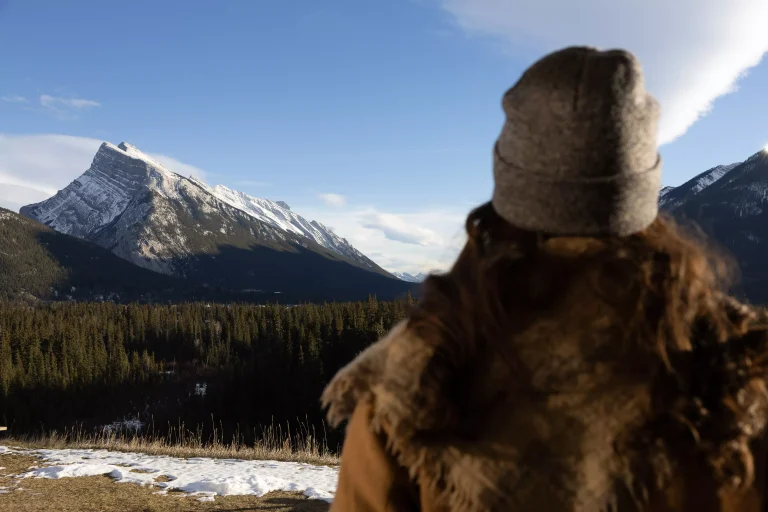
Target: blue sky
(391, 106)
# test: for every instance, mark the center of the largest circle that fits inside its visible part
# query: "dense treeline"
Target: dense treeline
(243, 365)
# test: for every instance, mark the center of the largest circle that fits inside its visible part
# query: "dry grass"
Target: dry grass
(102, 494)
(274, 444)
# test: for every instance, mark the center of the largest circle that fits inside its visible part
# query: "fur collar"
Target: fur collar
(501, 446)
(482, 454)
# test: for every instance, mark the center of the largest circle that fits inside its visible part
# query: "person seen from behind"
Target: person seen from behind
(581, 354)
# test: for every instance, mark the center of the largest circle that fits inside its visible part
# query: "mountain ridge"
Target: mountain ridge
(155, 218)
(733, 211)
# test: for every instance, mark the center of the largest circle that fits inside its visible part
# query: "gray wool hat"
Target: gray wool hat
(578, 154)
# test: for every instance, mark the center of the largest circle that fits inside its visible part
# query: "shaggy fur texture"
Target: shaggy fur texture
(581, 424)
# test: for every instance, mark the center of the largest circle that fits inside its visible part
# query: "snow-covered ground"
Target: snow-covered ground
(203, 477)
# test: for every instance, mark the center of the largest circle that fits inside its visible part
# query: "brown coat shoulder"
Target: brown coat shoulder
(502, 445)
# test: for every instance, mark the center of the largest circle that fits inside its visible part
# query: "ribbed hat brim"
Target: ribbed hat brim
(621, 204)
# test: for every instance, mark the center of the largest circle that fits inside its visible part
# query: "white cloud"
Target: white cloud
(334, 200)
(180, 167)
(66, 108)
(413, 242)
(14, 197)
(35, 167)
(55, 102)
(692, 51)
(400, 229)
(13, 99)
(40, 165)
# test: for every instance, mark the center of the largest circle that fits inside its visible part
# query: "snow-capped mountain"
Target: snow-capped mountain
(279, 215)
(730, 203)
(410, 278)
(145, 213)
(670, 197)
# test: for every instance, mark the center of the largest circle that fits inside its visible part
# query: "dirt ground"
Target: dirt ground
(102, 494)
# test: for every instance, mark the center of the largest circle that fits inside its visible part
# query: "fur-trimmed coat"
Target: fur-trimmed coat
(576, 428)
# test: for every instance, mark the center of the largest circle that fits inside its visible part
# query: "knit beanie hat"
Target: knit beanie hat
(577, 154)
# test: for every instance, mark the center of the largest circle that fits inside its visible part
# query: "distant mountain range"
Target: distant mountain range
(404, 276)
(131, 229)
(212, 237)
(730, 204)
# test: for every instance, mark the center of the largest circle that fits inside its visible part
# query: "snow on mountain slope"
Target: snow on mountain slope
(405, 276)
(279, 215)
(95, 198)
(671, 197)
(410, 278)
(133, 205)
(711, 177)
(730, 205)
(666, 190)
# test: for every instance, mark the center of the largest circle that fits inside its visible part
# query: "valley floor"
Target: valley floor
(104, 481)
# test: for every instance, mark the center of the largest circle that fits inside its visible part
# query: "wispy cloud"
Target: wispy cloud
(397, 228)
(414, 241)
(333, 200)
(35, 167)
(693, 51)
(75, 103)
(180, 167)
(66, 108)
(14, 99)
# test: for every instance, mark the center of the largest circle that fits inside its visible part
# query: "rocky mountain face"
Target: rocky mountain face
(279, 215)
(148, 215)
(730, 204)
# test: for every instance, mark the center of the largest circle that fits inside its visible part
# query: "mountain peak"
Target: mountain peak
(153, 217)
(760, 155)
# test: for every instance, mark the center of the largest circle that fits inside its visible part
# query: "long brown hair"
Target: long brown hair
(668, 287)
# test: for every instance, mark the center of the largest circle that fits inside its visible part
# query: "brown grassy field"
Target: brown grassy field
(275, 444)
(102, 494)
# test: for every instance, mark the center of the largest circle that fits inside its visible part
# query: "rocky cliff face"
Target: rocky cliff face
(98, 196)
(149, 215)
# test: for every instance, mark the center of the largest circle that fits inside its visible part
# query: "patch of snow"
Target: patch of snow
(198, 476)
(405, 276)
(279, 215)
(73, 470)
(711, 177)
(201, 388)
(413, 278)
(666, 190)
